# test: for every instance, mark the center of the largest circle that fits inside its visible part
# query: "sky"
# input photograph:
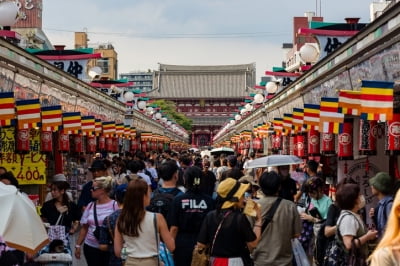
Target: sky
(190, 32)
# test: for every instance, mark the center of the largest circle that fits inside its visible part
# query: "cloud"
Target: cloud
(188, 32)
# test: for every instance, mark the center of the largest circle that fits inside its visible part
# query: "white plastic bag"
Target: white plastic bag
(299, 254)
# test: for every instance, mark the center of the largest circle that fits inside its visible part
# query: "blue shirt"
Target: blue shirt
(384, 207)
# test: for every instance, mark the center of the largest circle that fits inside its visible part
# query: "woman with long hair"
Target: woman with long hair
(387, 253)
(186, 215)
(92, 218)
(137, 230)
(227, 230)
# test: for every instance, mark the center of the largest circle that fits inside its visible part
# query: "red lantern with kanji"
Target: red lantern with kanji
(241, 147)
(328, 144)
(345, 141)
(63, 141)
(153, 145)
(102, 142)
(392, 140)
(313, 142)
(367, 137)
(301, 146)
(134, 145)
(78, 143)
(276, 142)
(257, 144)
(109, 144)
(160, 146)
(23, 140)
(91, 144)
(46, 141)
(115, 145)
(143, 145)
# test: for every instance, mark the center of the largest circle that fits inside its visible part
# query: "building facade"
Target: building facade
(142, 81)
(209, 95)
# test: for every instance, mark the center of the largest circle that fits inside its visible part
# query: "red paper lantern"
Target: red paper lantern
(301, 146)
(328, 144)
(46, 141)
(276, 142)
(392, 140)
(91, 144)
(115, 145)
(134, 145)
(257, 144)
(143, 146)
(367, 137)
(313, 142)
(154, 145)
(345, 140)
(78, 143)
(23, 140)
(109, 144)
(63, 141)
(160, 146)
(102, 143)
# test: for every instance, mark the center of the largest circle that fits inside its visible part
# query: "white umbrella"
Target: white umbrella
(20, 226)
(274, 160)
(220, 150)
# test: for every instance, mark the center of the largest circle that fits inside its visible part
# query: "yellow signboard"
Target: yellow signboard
(29, 168)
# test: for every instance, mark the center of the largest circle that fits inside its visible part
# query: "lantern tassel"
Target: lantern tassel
(345, 168)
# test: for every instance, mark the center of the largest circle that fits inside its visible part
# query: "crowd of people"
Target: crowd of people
(134, 206)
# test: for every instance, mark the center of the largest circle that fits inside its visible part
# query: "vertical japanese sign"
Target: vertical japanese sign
(29, 168)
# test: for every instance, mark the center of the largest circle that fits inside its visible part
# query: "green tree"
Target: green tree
(168, 108)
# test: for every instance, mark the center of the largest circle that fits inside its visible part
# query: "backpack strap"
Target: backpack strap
(109, 228)
(95, 214)
(270, 214)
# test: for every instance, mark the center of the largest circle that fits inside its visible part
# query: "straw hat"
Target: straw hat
(230, 190)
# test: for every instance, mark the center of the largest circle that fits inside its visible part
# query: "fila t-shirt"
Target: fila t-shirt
(188, 211)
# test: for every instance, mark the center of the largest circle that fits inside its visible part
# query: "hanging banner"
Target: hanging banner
(345, 141)
(313, 142)
(29, 168)
(46, 141)
(367, 137)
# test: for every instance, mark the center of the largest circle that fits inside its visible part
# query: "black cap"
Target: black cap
(98, 165)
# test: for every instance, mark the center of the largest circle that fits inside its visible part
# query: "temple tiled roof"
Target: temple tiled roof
(191, 82)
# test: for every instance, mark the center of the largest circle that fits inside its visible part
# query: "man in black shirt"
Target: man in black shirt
(288, 185)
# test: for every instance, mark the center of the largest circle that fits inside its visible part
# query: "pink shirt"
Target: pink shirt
(103, 210)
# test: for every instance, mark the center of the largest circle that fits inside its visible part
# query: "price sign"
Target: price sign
(29, 168)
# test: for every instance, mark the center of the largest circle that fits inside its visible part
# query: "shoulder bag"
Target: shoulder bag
(201, 256)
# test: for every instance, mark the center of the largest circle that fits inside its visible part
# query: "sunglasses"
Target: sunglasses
(94, 188)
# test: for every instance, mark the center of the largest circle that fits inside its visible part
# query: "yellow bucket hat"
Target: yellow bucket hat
(230, 190)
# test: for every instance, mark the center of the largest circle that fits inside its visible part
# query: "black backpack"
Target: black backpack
(162, 201)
